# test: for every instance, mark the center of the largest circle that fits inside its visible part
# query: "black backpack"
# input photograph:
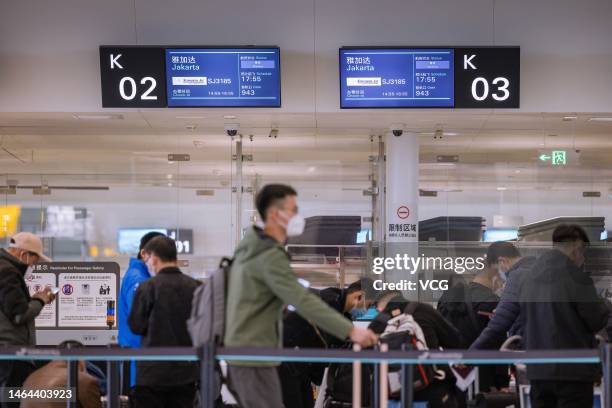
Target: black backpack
(456, 307)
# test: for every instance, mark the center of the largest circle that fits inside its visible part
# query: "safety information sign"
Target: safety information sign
(84, 291)
(36, 282)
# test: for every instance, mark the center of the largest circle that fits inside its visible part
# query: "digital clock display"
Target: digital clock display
(223, 77)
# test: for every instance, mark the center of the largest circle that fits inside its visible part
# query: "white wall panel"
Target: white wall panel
(49, 49)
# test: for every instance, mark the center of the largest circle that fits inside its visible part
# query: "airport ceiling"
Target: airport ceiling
(129, 146)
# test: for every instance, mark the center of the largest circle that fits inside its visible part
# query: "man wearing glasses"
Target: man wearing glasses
(17, 308)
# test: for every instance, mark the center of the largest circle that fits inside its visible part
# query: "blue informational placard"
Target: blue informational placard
(396, 78)
(223, 77)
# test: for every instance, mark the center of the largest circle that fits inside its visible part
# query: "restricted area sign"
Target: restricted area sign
(403, 212)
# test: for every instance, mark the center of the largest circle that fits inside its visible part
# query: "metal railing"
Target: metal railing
(208, 355)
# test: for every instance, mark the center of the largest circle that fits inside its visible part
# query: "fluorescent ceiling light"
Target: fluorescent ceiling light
(438, 134)
(443, 164)
(229, 117)
(569, 118)
(98, 117)
(602, 119)
(190, 117)
(502, 188)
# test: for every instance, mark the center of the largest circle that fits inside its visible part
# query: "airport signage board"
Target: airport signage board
(158, 77)
(396, 78)
(184, 240)
(487, 77)
(133, 77)
(223, 77)
(429, 77)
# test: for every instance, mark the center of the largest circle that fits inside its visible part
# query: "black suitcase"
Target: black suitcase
(495, 400)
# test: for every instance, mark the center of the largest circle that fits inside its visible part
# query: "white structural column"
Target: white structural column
(401, 208)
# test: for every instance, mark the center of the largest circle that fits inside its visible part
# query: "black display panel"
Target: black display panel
(487, 77)
(422, 77)
(133, 77)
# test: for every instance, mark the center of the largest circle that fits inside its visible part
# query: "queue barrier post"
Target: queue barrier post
(607, 370)
(356, 379)
(384, 379)
(73, 383)
(207, 375)
(375, 395)
(113, 384)
(407, 379)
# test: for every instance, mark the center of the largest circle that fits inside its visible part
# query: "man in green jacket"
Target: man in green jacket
(261, 282)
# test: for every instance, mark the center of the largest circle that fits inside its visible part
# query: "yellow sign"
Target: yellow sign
(9, 220)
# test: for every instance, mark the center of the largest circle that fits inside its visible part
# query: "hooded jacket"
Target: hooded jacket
(505, 319)
(560, 310)
(17, 309)
(261, 282)
(136, 274)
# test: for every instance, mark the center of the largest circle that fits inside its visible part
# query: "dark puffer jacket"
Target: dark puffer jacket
(561, 310)
(17, 309)
(505, 320)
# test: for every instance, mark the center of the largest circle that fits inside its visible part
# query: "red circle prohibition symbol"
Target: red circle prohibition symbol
(403, 212)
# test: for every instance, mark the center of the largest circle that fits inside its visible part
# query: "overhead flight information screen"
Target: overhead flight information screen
(223, 77)
(397, 78)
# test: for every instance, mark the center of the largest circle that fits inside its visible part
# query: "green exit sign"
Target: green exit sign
(556, 157)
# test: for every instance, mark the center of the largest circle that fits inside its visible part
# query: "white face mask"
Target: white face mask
(502, 274)
(296, 226)
(150, 267)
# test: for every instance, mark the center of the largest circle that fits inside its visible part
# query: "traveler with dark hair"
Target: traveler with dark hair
(297, 378)
(261, 281)
(159, 314)
(136, 274)
(505, 321)
(561, 310)
(469, 307)
(18, 309)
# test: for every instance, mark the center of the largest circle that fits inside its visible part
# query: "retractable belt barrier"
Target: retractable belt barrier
(208, 354)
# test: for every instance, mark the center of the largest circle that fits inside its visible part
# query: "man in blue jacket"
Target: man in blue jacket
(136, 274)
(505, 320)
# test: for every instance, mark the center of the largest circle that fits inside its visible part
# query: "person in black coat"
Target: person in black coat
(561, 310)
(505, 321)
(159, 314)
(470, 308)
(297, 378)
(18, 309)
